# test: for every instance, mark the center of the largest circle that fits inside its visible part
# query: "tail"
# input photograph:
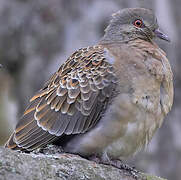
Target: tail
(11, 144)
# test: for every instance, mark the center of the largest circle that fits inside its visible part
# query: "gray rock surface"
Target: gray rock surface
(20, 166)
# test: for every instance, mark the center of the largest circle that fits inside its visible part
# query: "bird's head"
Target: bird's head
(133, 23)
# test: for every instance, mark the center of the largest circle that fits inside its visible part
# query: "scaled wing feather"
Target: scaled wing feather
(71, 102)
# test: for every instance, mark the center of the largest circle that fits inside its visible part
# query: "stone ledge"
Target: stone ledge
(21, 166)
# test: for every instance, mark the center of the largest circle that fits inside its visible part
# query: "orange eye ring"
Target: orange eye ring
(138, 23)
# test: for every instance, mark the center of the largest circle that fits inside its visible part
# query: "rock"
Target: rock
(34, 166)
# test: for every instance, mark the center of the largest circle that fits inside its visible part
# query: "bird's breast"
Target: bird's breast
(146, 78)
(137, 124)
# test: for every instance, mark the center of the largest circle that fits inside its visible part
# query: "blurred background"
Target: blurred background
(36, 36)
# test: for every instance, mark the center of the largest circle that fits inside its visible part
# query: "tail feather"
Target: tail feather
(11, 144)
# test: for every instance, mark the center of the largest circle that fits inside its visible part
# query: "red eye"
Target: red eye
(138, 23)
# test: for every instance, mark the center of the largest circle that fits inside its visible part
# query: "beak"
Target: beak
(161, 35)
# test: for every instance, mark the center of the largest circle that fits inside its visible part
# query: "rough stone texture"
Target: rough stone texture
(21, 166)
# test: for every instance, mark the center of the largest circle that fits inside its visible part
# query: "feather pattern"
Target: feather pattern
(71, 102)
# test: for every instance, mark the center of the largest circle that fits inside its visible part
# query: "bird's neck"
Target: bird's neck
(107, 40)
(113, 38)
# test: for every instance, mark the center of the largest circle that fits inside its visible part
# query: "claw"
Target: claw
(117, 164)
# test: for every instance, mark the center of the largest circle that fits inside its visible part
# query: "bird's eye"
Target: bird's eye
(138, 23)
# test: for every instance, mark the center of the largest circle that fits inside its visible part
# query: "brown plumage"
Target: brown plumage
(108, 99)
(78, 92)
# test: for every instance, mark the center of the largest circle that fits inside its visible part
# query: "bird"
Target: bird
(105, 100)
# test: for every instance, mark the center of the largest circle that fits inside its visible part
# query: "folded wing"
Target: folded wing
(71, 102)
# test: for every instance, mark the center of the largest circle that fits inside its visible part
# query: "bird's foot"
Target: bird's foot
(120, 165)
(95, 159)
(117, 164)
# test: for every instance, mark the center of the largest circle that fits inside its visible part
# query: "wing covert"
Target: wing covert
(71, 102)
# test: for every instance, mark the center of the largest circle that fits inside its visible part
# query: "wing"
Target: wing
(71, 102)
